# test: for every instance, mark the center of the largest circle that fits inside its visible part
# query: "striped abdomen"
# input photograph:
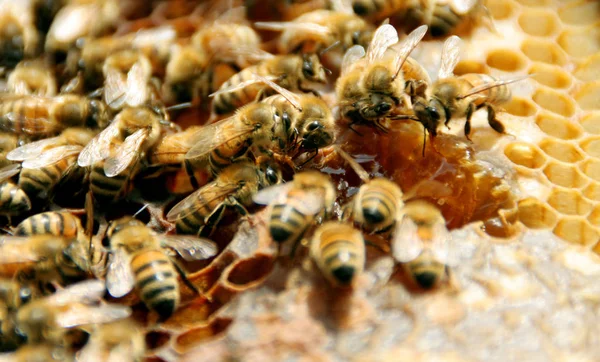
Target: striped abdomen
(377, 203)
(54, 223)
(28, 115)
(495, 95)
(205, 204)
(425, 270)
(377, 9)
(108, 189)
(69, 271)
(288, 222)
(228, 153)
(228, 102)
(13, 200)
(40, 181)
(156, 280)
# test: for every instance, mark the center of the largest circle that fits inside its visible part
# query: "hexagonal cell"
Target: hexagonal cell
(539, 22)
(536, 214)
(470, 66)
(500, 10)
(588, 96)
(591, 168)
(594, 216)
(561, 150)
(591, 122)
(520, 107)
(576, 230)
(554, 102)
(591, 146)
(580, 42)
(569, 202)
(592, 191)
(589, 70)
(557, 126)
(580, 12)
(564, 175)
(545, 51)
(505, 59)
(525, 154)
(550, 75)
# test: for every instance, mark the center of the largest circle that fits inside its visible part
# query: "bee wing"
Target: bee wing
(291, 97)
(384, 37)
(126, 153)
(462, 7)
(52, 156)
(115, 88)
(99, 147)
(497, 83)
(137, 85)
(9, 171)
(407, 45)
(189, 247)
(213, 136)
(311, 28)
(312, 203)
(81, 314)
(31, 150)
(441, 245)
(119, 277)
(248, 53)
(406, 243)
(87, 291)
(271, 193)
(354, 54)
(190, 205)
(450, 55)
(242, 85)
(17, 123)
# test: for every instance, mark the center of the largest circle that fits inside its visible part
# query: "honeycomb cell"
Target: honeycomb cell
(550, 75)
(592, 191)
(580, 12)
(561, 150)
(580, 42)
(470, 66)
(591, 168)
(557, 126)
(539, 22)
(520, 107)
(505, 60)
(541, 50)
(536, 214)
(589, 70)
(588, 96)
(500, 10)
(535, 2)
(576, 230)
(569, 202)
(564, 175)
(525, 154)
(591, 146)
(594, 216)
(591, 122)
(554, 102)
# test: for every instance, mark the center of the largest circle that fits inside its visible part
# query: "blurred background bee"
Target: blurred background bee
(19, 37)
(138, 257)
(234, 187)
(13, 295)
(121, 340)
(423, 245)
(13, 200)
(32, 77)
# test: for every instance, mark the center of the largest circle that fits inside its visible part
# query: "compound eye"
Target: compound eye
(271, 175)
(383, 108)
(307, 69)
(314, 125)
(25, 295)
(433, 112)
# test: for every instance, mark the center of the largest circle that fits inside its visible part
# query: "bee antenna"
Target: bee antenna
(329, 48)
(140, 210)
(8, 231)
(179, 106)
(327, 71)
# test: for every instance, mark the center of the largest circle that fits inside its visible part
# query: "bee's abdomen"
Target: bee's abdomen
(341, 258)
(495, 95)
(38, 182)
(228, 102)
(226, 154)
(156, 281)
(287, 222)
(107, 189)
(13, 200)
(378, 207)
(54, 223)
(190, 224)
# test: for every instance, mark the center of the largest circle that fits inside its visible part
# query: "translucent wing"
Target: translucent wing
(119, 277)
(271, 193)
(441, 245)
(216, 134)
(99, 147)
(497, 83)
(312, 203)
(31, 150)
(30, 125)
(360, 171)
(126, 153)
(383, 38)
(245, 53)
(406, 243)
(462, 7)
(52, 156)
(87, 291)
(408, 45)
(450, 56)
(291, 97)
(189, 247)
(115, 88)
(9, 171)
(354, 54)
(137, 85)
(310, 28)
(242, 85)
(191, 204)
(81, 314)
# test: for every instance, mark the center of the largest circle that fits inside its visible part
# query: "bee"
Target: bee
(49, 319)
(52, 222)
(377, 10)
(52, 161)
(443, 16)
(378, 202)
(294, 205)
(114, 154)
(8, 142)
(13, 295)
(453, 97)
(288, 71)
(138, 259)
(40, 117)
(338, 249)
(122, 340)
(421, 243)
(19, 37)
(234, 187)
(13, 200)
(32, 78)
(370, 90)
(45, 352)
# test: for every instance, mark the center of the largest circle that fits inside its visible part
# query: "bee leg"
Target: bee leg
(190, 172)
(308, 90)
(469, 114)
(182, 274)
(212, 220)
(309, 159)
(492, 121)
(233, 202)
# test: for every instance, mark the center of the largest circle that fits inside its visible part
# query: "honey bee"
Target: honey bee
(338, 249)
(32, 78)
(234, 187)
(45, 352)
(138, 259)
(49, 162)
(370, 90)
(8, 142)
(39, 117)
(13, 295)
(377, 10)
(19, 37)
(378, 202)
(443, 16)
(52, 222)
(288, 71)
(117, 341)
(453, 97)
(294, 205)
(13, 200)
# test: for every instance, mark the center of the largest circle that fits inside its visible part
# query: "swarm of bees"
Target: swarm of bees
(91, 115)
